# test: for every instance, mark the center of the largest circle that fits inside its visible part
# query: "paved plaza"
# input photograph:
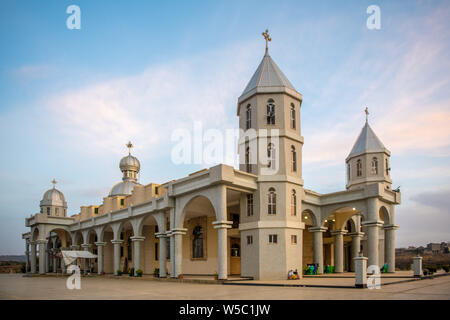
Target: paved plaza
(15, 286)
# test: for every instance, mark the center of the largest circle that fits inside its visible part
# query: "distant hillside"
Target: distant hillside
(13, 258)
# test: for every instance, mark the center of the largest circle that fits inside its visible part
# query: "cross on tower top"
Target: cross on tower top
(54, 182)
(367, 114)
(267, 38)
(129, 146)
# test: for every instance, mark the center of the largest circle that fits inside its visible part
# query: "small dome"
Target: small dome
(53, 197)
(130, 163)
(123, 188)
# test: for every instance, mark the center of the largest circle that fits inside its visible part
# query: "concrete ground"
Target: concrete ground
(16, 286)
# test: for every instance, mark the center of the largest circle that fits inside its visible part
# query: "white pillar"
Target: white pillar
(373, 229)
(356, 246)
(100, 246)
(389, 246)
(33, 256)
(222, 252)
(178, 241)
(116, 244)
(162, 253)
(27, 256)
(42, 259)
(47, 258)
(137, 240)
(417, 266)
(339, 250)
(172, 253)
(360, 263)
(86, 266)
(318, 246)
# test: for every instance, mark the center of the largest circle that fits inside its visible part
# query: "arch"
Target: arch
(272, 201)
(309, 218)
(359, 168)
(51, 229)
(150, 220)
(35, 233)
(196, 204)
(385, 215)
(338, 216)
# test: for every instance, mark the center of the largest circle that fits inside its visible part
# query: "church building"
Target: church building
(257, 221)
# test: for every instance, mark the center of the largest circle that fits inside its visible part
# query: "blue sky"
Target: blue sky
(137, 70)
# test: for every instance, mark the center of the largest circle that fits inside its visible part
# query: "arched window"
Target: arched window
(249, 117)
(48, 211)
(272, 201)
(293, 203)
(374, 166)
(197, 242)
(294, 159)
(292, 116)
(271, 156)
(270, 112)
(358, 168)
(248, 166)
(348, 172)
(250, 205)
(387, 167)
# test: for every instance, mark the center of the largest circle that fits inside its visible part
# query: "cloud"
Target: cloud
(439, 199)
(34, 72)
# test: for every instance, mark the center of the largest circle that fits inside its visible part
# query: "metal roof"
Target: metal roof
(367, 142)
(267, 75)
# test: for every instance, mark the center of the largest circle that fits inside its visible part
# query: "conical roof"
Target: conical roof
(367, 142)
(267, 75)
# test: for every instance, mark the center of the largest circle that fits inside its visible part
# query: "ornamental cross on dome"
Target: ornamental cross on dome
(129, 146)
(54, 182)
(267, 38)
(367, 114)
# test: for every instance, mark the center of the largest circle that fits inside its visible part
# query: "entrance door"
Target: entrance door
(235, 257)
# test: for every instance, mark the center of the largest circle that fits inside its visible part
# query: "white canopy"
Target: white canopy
(71, 256)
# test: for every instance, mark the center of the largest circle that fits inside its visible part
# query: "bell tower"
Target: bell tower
(270, 147)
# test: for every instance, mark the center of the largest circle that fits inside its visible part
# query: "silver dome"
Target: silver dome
(123, 188)
(53, 197)
(130, 163)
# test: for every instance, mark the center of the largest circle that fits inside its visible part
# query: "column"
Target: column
(42, 259)
(417, 266)
(356, 246)
(373, 241)
(360, 263)
(137, 240)
(100, 246)
(54, 251)
(116, 244)
(27, 256)
(33, 256)
(172, 253)
(339, 250)
(86, 264)
(178, 255)
(222, 252)
(318, 246)
(162, 253)
(389, 246)
(47, 258)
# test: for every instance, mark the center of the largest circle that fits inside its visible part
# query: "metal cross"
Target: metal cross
(367, 114)
(267, 37)
(129, 146)
(54, 182)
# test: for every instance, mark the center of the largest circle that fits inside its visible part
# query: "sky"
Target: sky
(138, 70)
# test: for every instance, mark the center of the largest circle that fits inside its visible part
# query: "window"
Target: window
(235, 219)
(358, 168)
(96, 210)
(42, 210)
(374, 166)
(122, 202)
(387, 167)
(294, 159)
(273, 238)
(156, 251)
(293, 203)
(272, 201)
(348, 172)
(235, 250)
(292, 116)
(249, 239)
(271, 156)
(248, 166)
(250, 205)
(156, 229)
(270, 112)
(156, 190)
(197, 243)
(249, 117)
(293, 239)
(48, 211)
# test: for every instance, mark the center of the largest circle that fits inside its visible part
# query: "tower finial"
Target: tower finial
(129, 146)
(367, 114)
(267, 38)
(54, 182)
